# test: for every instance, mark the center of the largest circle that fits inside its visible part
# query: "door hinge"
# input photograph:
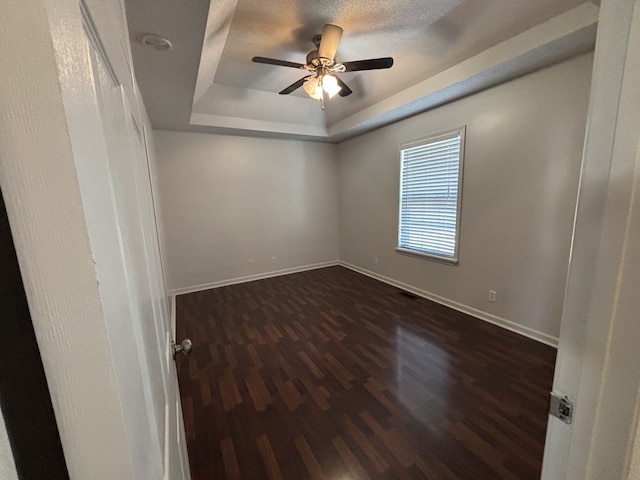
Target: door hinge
(560, 406)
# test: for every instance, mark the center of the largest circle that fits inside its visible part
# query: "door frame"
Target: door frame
(597, 364)
(47, 124)
(28, 429)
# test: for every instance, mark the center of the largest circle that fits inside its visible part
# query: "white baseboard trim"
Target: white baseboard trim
(251, 278)
(474, 312)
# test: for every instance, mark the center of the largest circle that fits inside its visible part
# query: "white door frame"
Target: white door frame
(598, 365)
(44, 205)
(48, 124)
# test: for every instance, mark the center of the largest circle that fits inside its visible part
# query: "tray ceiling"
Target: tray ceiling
(443, 49)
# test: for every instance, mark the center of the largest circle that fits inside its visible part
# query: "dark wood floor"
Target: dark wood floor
(330, 374)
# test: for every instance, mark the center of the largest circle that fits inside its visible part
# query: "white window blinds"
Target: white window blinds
(430, 173)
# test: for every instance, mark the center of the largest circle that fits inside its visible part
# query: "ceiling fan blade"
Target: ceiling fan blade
(273, 61)
(294, 86)
(371, 64)
(345, 91)
(331, 35)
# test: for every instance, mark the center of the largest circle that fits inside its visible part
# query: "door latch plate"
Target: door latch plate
(561, 407)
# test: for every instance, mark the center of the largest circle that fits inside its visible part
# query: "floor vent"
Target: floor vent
(410, 295)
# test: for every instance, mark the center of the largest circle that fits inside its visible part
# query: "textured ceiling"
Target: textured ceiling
(256, 30)
(443, 49)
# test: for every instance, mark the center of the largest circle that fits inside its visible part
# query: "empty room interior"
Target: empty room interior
(395, 236)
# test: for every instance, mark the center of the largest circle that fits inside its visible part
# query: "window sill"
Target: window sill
(428, 256)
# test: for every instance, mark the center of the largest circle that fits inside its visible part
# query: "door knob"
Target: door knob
(184, 347)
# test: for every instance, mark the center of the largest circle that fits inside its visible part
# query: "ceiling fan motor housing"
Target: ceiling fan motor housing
(312, 58)
(315, 60)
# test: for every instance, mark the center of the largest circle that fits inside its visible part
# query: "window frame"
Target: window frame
(438, 136)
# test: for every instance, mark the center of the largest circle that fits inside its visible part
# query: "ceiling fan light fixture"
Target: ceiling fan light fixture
(330, 85)
(312, 88)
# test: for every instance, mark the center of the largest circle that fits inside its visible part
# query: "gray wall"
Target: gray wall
(229, 199)
(523, 150)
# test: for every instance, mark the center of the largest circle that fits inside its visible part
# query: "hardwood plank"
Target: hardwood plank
(255, 356)
(318, 394)
(290, 395)
(313, 368)
(269, 458)
(392, 439)
(258, 390)
(228, 388)
(231, 468)
(309, 458)
(205, 390)
(339, 371)
(349, 458)
(363, 442)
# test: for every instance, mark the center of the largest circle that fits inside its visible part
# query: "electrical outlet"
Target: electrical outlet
(274, 260)
(251, 262)
(375, 260)
(493, 296)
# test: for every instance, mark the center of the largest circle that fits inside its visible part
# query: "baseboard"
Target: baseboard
(474, 312)
(251, 278)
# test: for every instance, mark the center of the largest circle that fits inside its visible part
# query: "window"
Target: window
(430, 186)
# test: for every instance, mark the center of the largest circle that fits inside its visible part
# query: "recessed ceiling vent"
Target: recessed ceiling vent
(154, 41)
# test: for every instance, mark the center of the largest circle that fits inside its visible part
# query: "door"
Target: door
(176, 465)
(116, 191)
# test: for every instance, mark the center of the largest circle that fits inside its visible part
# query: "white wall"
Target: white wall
(523, 149)
(228, 199)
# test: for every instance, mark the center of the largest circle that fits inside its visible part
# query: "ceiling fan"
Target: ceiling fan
(323, 67)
